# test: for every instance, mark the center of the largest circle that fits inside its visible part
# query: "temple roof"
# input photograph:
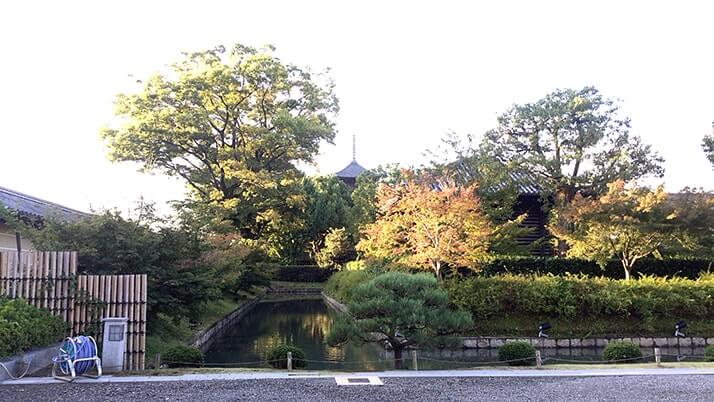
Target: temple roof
(27, 204)
(352, 170)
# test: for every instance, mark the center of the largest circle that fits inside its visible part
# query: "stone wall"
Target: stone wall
(668, 342)
(204, 338)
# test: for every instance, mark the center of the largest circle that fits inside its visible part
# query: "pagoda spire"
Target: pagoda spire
(354, 147)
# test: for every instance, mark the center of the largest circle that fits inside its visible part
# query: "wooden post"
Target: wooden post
(658, 357)
(539, 361)
(415, 365)
(157, 361)
(290, 361)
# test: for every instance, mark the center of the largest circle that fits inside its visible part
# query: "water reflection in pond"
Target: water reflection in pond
(306, 322)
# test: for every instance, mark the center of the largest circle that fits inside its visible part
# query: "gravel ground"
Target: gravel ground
(631, 388)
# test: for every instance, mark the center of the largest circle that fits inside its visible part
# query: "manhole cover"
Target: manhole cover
(358, 381)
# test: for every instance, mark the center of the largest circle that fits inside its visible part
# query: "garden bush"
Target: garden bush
(23, 326)
(622, 350)
(517, 350)
(302, 273)
(342, 284)
(570, 297)
(709, 353)
(278, 356)
(183, 356)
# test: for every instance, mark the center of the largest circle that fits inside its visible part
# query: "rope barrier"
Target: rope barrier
(458, 362)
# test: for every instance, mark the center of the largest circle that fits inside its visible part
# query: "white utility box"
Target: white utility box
(113, 344)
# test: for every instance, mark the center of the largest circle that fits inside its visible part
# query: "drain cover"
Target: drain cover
(343, 380)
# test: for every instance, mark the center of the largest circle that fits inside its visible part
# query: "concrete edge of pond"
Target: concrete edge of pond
(382, 374)
(203, 339)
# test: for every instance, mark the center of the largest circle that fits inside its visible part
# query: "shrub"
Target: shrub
(23, 326)
(183, 356)
(278, 356)
(622, 350)
(569, 297)
(517, 350)
(682, 267)
(709, 353)
(302, 273)
(342, 284)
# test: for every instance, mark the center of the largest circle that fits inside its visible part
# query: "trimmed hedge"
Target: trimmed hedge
(618, 351)
(302, 273)
(183, 356)
(686, 268)
(23, 326)
(570, 297)
(278, 356)
(709, 353)
(515, 351)
(342, 284)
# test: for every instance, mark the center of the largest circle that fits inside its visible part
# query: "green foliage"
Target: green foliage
(401, 310)
(515, 351)
(627, 223)
(232, 123)
(183, 356)
(578, 297)
(277, 356)
(23, 326)
(682, 267)
(622, 350)
(341, 285)
(709, 353)
(337, 250)
(571, 140)
(302, 273)
(185, 270)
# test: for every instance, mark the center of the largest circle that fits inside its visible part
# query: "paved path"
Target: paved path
(672, 387)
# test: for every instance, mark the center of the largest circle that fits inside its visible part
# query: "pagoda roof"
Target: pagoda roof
(352, 170)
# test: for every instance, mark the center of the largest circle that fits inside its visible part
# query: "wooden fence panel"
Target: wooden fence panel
(49, 280)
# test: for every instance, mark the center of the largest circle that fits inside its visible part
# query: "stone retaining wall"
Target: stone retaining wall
(669, 342)
(296, 291)
(204, 338)
(334, 303)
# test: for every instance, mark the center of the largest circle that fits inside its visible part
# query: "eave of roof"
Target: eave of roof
(37, 207)
(352, 170)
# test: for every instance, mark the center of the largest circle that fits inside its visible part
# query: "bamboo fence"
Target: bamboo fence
(49, 280)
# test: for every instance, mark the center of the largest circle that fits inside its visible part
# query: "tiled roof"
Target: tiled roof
(30, 205)
(354, 169)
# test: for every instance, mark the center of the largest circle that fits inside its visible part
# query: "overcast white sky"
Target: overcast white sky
(406, 73)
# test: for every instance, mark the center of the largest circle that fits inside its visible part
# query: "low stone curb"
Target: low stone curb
(569, 343)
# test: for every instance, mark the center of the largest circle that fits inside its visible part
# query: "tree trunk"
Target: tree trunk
(437, 269)
(627, 268)
(397, 358)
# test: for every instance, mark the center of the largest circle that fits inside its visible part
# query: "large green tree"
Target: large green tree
(403, 310)
(570, 141)
(232, 123)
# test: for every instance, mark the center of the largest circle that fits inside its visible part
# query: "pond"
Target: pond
(305, 323)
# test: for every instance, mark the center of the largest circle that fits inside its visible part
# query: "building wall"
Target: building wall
(8, 242)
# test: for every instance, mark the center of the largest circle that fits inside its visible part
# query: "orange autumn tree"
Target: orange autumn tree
(425, 225)
(627, 223)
